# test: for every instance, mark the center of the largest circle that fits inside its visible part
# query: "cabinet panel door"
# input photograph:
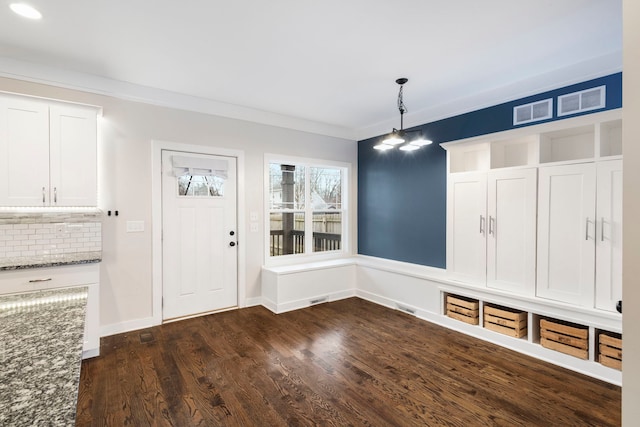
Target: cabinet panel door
(566, 232)
(73, 156)
(24, 152)
(609, 235)
(466, 227)
(511, 230)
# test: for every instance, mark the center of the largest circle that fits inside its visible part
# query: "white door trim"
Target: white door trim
(156, 216)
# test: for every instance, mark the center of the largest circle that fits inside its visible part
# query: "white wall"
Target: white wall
(125, 177)
(631, 214)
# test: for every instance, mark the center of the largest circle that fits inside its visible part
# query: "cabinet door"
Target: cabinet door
(24, 152)
(73, 156)
(511, 230)
(566, 233)
(609, 235)
(466, 226)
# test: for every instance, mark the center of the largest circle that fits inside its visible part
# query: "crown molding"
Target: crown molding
(27, 71)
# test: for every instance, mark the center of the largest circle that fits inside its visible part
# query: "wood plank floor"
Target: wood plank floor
(343, 363)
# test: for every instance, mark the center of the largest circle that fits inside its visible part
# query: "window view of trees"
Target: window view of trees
(199, 185)
(297, 193)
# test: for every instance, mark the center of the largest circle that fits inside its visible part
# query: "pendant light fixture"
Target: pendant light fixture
(400, 137)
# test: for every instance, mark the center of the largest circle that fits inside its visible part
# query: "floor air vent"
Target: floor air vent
(585, 100)
(533, 112)
(318, 300)
(406, 309)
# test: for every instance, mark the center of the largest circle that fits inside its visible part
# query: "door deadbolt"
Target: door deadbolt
(232, 244)
(231, 233)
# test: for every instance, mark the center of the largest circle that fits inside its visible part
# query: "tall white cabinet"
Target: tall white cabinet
(536, 211)
(47, 153)
(566, 233)
(491, 228)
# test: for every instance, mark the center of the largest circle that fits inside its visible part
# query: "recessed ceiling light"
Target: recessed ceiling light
(25, 10)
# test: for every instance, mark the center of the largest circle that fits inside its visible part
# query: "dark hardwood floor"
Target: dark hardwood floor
(343, 363)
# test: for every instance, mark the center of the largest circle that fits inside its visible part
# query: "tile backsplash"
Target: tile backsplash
(42, 235)
(33, 239)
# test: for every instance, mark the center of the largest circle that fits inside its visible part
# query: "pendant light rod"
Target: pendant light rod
(401, 81)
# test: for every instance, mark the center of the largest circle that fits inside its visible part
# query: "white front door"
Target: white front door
(199, 243)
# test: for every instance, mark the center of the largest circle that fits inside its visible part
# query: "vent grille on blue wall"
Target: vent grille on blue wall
(533, 112)
(585, 100)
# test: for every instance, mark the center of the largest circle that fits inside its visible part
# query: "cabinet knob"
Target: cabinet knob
(619, 306)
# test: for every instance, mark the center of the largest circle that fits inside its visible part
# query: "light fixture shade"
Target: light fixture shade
(421, 141)
(394, 138)
(382, 147)
(410, 147)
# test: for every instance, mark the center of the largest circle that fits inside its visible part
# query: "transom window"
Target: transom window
(306, 208)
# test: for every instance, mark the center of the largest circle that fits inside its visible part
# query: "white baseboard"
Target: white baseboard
(130, 325)
(252, 302)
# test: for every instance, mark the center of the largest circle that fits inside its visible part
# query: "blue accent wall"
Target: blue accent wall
(402, 196)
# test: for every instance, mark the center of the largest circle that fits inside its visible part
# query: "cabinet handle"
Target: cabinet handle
(55, 195)
(40, 280)
(43, 201)
(492, 222)
(602, 229)
(586, 230)
(481, 224)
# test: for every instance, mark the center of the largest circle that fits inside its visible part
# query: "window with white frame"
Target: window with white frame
(306, 207)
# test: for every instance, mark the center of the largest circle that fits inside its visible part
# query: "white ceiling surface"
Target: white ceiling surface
(321, 66)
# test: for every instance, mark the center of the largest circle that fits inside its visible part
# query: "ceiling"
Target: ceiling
(322, 66)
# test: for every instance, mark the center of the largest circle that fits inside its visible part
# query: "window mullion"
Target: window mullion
(308, 212)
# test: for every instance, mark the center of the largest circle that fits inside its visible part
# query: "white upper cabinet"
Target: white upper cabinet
(566, 233)
(73, 156)
(24, 152)
(608, 239)
(47, 153)
(511, 230)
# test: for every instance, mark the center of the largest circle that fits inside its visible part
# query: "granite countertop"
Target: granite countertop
(41, 338)
(20, 263)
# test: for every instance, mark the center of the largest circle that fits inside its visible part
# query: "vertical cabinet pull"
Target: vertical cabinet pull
(586, 230)
(55, 195)
(481, 224)
(492, 225)
(43, 201)
(602, 229)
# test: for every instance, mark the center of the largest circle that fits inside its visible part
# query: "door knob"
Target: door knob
(232, 244)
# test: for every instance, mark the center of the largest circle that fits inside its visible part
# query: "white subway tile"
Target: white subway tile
(27, 232)
(42, 242)
(28, 253)
(20, 226)
(34, 226)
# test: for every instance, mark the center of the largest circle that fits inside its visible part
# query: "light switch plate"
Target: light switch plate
(135, 226)
(254, 227)
(253, 216)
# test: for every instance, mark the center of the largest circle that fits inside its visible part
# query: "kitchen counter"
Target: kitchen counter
(19, 263)
(41, 338)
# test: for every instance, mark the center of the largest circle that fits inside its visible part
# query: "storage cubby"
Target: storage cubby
(470, 158)
(565, 337)
(568, 144)
(505, 320)
(611, 138)
(609, 349)
(462, 308)
(514, 152)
